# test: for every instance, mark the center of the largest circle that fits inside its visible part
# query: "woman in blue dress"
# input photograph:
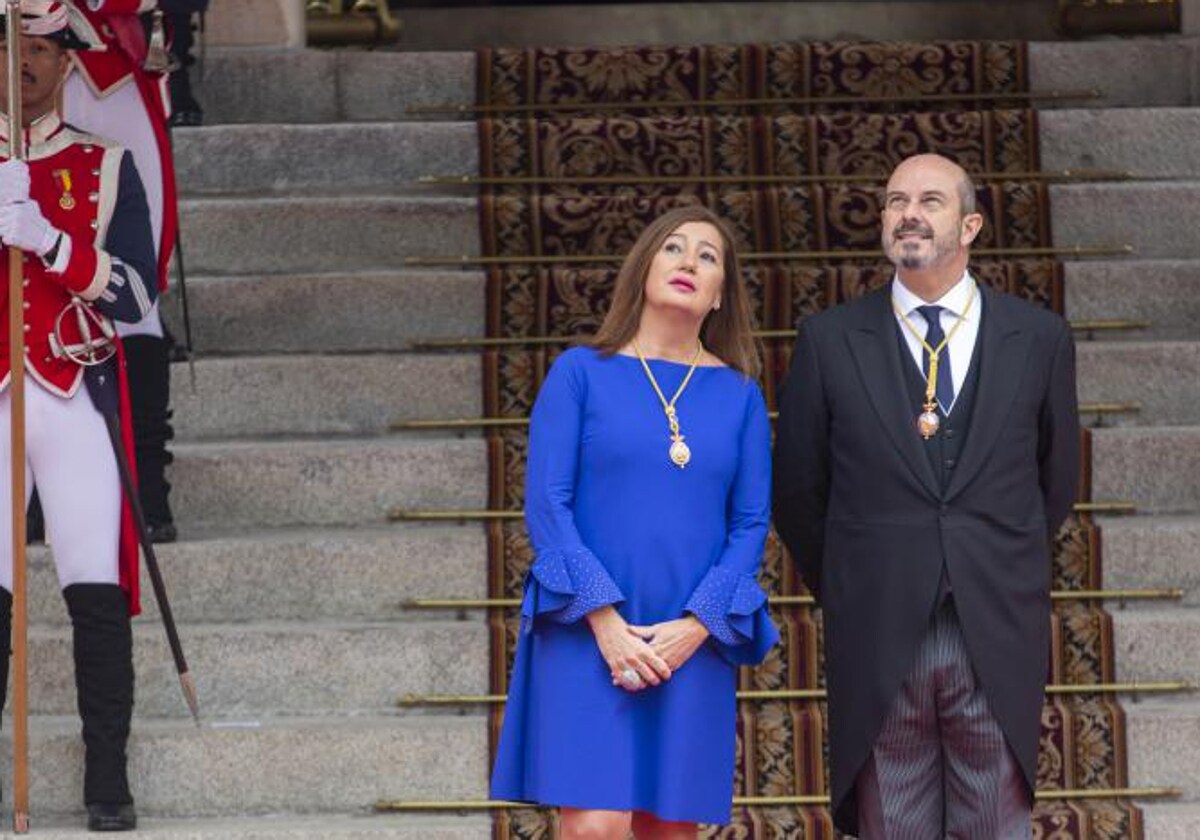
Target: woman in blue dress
(647, 501)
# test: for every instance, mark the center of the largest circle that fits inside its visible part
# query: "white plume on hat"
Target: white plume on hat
(55, 19)
(43, 17)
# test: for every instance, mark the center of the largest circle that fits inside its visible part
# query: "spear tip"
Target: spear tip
(189, 694)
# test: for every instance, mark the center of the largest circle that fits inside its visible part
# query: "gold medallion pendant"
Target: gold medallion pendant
(66, 201)
(680, 453)
(928, 423)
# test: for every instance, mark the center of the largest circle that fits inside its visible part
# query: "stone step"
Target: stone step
(1128, 72)
(270, 484)
(1150, 142)
(330, 86)
(348, 395)
(357, 826)
(1154, 467)
(1153, 216)
(350, 158)
(274, 235)
(1157, 645)
(1164, 377)
(295, 668)
(303, 574)
(1152, 552)
(1164, 292)
(1163, 742)
(329, 313)
(294, 766)
(320, 394)
(254, 23)
(1170, 820)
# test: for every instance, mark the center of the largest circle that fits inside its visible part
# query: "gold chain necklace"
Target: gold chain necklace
(679, 451)
(928, 421)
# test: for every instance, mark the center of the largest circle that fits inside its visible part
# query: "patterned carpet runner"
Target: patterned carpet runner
(811, 179)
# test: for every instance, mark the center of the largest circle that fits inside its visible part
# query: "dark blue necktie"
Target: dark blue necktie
(934, 337)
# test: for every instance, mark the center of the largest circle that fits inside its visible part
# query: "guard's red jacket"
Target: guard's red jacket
(115, 26)
(89, 189)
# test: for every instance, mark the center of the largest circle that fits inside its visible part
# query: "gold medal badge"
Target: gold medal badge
(66, 201)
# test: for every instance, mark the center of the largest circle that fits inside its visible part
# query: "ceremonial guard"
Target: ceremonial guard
(119, 91)
(78, 212)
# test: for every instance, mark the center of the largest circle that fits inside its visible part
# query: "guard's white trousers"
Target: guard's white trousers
(122, 116)
(69, 456)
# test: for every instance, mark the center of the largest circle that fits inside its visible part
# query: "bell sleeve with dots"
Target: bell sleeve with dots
(566, 580)
(729, 601)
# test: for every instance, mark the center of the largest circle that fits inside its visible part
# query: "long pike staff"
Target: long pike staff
(106, 403)
(16, 402)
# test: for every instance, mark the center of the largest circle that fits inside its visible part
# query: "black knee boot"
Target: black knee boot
(147, 361)
(185, 110)
(104, 682)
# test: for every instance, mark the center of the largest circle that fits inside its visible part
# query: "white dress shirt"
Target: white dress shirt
(961, 347)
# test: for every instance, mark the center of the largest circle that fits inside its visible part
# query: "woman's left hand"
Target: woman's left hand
(675, 641)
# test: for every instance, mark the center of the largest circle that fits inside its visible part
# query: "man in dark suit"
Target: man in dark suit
(926, 453)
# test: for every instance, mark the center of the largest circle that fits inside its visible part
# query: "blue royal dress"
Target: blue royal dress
(613, 521)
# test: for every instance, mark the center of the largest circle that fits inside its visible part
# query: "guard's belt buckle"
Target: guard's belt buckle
(97, 337)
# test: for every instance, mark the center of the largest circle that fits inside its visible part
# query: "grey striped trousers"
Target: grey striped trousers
(941, 767)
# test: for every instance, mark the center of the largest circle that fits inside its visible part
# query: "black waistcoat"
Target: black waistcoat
(943, 449)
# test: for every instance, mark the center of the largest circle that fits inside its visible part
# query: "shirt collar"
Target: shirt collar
(41, 130)
(954, 300)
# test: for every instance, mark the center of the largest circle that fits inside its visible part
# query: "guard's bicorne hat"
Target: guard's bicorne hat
(49, 19)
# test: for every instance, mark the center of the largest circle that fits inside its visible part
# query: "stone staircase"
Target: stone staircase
(300, 204)
(288, 580)
(1151, 458)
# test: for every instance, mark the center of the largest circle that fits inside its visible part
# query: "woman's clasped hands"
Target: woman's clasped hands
(641, 657)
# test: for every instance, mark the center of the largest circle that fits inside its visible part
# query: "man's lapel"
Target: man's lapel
(876, 352)
(1005, 346)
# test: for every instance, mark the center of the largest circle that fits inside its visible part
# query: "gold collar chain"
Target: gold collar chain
(928, 420)
(679, 452)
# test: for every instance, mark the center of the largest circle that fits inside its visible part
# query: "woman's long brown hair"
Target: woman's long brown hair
(728, 332)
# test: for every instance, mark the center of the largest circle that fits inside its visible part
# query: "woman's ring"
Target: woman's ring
(631, 678)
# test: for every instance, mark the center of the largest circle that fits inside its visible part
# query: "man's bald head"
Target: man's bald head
(964, 187)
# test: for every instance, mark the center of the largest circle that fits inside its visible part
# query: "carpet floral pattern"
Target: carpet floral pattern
(800, 186)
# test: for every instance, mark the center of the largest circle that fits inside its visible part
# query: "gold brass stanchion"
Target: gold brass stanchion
(396, 806)
(483, 515)
(411, 701)
(500, 342)
(762, 256)
(329, 23)
(1065, 175)
(462, 423)
(759, 102)
(1105, 507)
(1170, 594)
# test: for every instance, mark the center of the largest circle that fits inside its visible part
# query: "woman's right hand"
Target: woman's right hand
(624, 651)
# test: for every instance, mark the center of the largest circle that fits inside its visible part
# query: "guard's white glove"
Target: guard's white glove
(14, 181)
(23, 226)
